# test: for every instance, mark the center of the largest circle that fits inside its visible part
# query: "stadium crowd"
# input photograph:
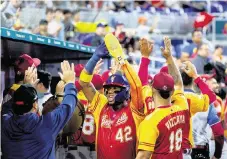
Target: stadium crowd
(124, 112)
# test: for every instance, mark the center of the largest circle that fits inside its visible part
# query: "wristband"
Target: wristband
(85, 77)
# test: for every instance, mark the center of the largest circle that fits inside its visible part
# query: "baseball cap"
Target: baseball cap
(25, 61)
(24, 97)
(78, 69)
(106, 75)
(164, 69)
(163, 82)
(101, 25)
(97, 81)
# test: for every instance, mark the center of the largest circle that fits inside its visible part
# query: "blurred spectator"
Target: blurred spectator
(119, 33)
(42, 30)
(158, 3)
(68, 25)
(50, 14)
(100, 32)
(43, 88)
(217, 56)
(202, 58)
(56, 26)
(143, 30)
(191, 49)
(224, 31)
(118, 6)
(13, 6)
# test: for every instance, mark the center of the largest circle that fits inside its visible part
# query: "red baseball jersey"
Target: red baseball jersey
(116, 130)
(162, 131)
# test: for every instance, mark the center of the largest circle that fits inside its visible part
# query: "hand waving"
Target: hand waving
(30, 76)
(146, 47)
(190, 69)
(166, 52)
(98, 66)
(68, 74)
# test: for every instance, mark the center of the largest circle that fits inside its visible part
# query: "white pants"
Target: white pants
(186, 156)
(212, 149)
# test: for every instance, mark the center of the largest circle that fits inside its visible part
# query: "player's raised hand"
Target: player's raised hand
(60, 87)
(98, 66)
(68, 74)
(190, 69)
(30, 76)
(101, 50)
(166, 52)
(146, 47)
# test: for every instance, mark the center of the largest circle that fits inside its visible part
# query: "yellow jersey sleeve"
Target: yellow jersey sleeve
(147, 99)
(135, 87)
(178, 98)
(147, 139)
(98, 102)
(197, 103)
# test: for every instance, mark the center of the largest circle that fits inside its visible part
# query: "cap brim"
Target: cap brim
(36, 61)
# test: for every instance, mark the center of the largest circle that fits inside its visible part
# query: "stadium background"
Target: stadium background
(20, 19)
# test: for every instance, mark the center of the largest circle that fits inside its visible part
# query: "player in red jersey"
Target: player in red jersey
(161, 133)
(117, 116)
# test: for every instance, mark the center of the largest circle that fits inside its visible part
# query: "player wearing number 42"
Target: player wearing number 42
(117, 116)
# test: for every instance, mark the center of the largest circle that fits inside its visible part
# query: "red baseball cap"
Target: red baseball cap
(25, 61)
(97, 81)
(164, 69)
(106, 75)
(163, 82)
(78, 69)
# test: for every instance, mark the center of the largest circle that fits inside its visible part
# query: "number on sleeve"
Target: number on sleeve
(175, 140)
(89, 124)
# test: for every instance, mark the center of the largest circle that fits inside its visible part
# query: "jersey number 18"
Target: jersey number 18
(175, 140)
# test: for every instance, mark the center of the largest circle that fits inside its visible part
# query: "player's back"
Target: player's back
(167, 124)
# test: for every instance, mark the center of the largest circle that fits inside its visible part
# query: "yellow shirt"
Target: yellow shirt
(162, 131)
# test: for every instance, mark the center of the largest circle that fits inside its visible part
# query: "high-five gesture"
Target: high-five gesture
(190, 69)
(68, 74)
(166, 52)
(31, 76)
(146, 47)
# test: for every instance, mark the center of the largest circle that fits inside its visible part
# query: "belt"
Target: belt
(200, 147)
(187, 151)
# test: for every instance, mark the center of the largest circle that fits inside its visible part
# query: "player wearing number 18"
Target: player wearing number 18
(160, 134)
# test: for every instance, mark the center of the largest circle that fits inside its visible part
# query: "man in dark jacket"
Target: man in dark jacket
(27, 135)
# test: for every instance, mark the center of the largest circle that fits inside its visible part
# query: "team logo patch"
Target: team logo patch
(122, 119)
(106, 122)
(112, 78)
(164, 88)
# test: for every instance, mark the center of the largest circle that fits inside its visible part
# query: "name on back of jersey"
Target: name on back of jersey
(174, 121)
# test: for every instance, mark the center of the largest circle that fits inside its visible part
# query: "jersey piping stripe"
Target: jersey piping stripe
(96, 103)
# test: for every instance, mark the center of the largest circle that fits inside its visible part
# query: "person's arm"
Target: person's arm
(217, 129)
(172, 67)
(57, 119)
(146, 48)
(144, 155)
(204, 88)
(87, 73)
(135, 86)
(61, 115)
(191, 71)
(143, 70)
